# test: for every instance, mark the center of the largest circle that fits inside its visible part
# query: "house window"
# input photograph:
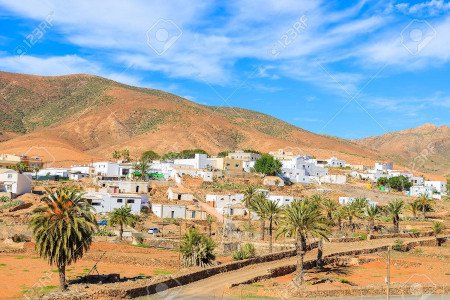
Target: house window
(193, 215)
(119, 200)
(96, 203)
(172, 214)
(9, 176)
(131, 201)
(137, 189)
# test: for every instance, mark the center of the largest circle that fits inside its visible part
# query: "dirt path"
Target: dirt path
(215, 286)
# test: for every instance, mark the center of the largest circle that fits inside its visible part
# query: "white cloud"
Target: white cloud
(430, 8)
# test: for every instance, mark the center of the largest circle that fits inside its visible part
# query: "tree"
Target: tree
(142, 167)
(352, 211)
(425, 204)
(394, 209)
(249, 195)
(197, 249)
(338, 215)
(302, 219)
(63, 229)
(223, 154)
(209, 220)
(400, 183)
(272, 210)
(371, 213)
(150, 156)
(329, 206)
(117, 154)
(122, 216)
(258, 207)
(125, 154)
(438, 228)
(20, 167)
(267, 165)
(382, 181)
(414, 207)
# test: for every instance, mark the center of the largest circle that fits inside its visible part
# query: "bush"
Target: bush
(398, 245)
(20, 238)
(247, 251)
(104, 232)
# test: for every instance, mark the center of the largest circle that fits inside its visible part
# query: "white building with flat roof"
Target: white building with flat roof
(15, 183)
(106, 202)
(106, 169)
(437, 186)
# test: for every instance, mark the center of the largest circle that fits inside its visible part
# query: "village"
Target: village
(234, 199)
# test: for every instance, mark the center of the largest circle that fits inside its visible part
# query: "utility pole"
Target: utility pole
(388, 272)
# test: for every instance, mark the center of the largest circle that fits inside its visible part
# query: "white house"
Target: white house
(15, 183)
(227, 204)
(437, 186)
(181, 171)
(178, 211)
(83, 169)
(200, 161)
(61, 172)
(76, 175)
(281, 199)
(419, 190)
(245, 156)
(179, 193)
(349, 200)
(417, 180)
(124, 186)
(107, 202)
(300, 168)
(106, 169)
(334, 179)
(384, 166)
(335, 163)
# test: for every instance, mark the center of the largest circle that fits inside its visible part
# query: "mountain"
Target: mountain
(425, 148)
(79, 118)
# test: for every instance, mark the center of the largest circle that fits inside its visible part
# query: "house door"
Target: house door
(137, 189)
(172, 214)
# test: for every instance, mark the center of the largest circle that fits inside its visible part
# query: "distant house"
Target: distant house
(10, 160)
(230, 204)
(245, 156)
(437, 186)
(334, 179)
(178, 211)
(54, 172)
(349, 200)
(281, 199)
(180, 193)
(334, 162)
(76, 175)
(15, 183)
(419, 190)
(107, 202)
(124, 186)
(106, 169)
(384, 166)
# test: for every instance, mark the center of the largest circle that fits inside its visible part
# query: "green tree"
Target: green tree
(329, 206)
(258, 206)
(223, 154)
(249, 194)
(272, 211)
(150, 156)
(268, 165)
(438, 228)
(63, 229)
(394, 209)
(20, 167)
(339, 214)
(142, 167)
(371, 213)
(197, 249)
(414, 207)
(209, 221)
(382, 181)
(425, 204)
(400, 183)
(351, 212)
(125, 154)
(300, 220)
(122, 216)
(117, 154)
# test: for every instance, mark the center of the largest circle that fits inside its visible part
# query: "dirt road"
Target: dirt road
(215, 286)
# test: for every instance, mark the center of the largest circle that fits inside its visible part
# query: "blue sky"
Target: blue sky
(346, 68)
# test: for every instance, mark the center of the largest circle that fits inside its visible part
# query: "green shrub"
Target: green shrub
(20, 238)
(247, 251)
(343, 280)
(398, 245)
(104, 232)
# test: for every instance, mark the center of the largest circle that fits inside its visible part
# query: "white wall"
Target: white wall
(16, 183)
(169, 211)
(106, 202)
(106, 168)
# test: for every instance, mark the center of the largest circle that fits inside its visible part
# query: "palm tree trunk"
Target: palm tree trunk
(209, 230)
(270, 235)
(340, 223)
(301, 249)
(371, 224)
(121, 231)
(423, 211)
(350, 221)
(396, 224)
(319, 262)
(62, 278)
(263, 229)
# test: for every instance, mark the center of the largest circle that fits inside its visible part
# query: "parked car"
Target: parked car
(102, 223)
(153, 230)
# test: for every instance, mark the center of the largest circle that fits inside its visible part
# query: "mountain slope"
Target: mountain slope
(425, 148)
(77, 118)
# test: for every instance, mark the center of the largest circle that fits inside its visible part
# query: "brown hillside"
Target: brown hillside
(77, 118)
(425, 148)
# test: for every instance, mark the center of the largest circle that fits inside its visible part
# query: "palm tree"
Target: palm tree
(122, 216)
(258, 206)
(302, 219)
(249, 195)
(272, 210)
(424, 204)
(338, 215)
(330, 206)
(360, 203)
(142, 167)
(352, 211)
(63, 229)
(209, 220)
(197, 249)
(438, 228)
(394, 209)
(125, 153)
(414, 207)
(371, 213)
